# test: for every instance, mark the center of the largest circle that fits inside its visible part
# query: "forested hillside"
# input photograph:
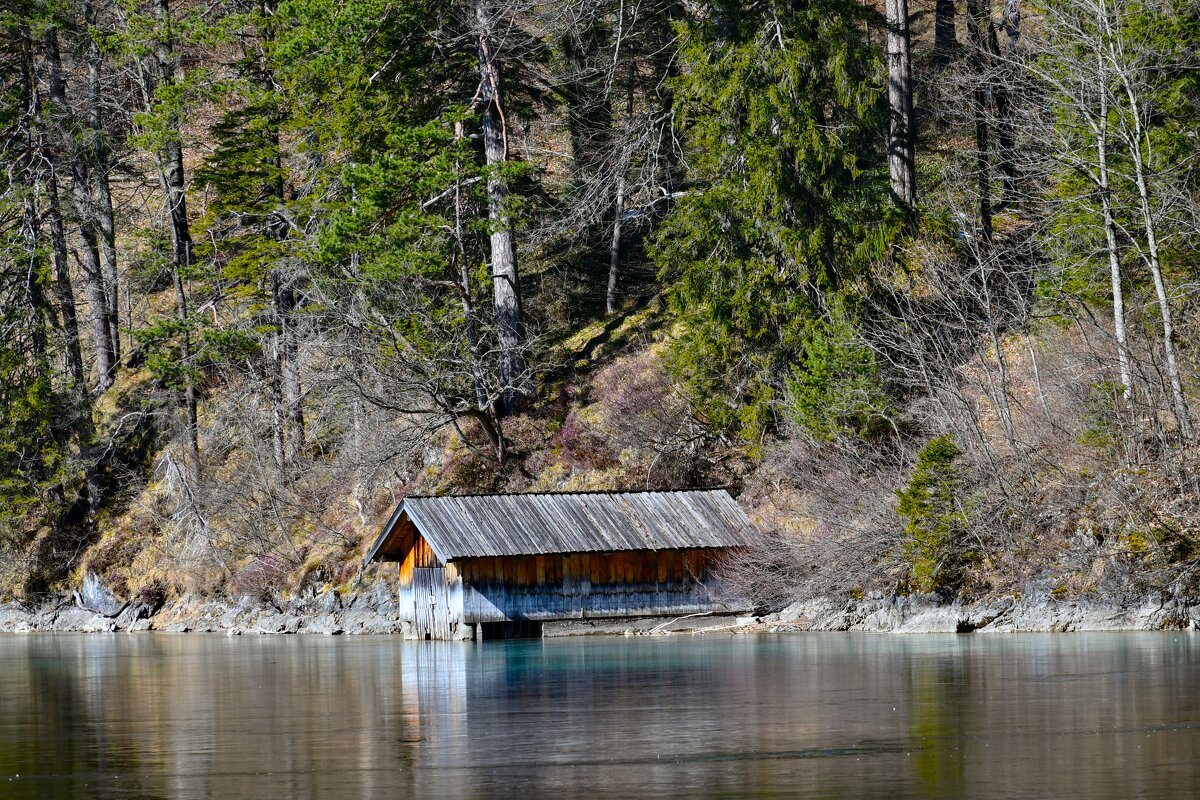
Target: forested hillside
(920, 283)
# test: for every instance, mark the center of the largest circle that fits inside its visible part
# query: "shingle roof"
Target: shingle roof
(578, 522)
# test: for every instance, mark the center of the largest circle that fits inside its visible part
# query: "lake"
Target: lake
(823, 715)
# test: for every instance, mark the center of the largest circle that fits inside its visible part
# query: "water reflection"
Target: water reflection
(823, 715)
(938, 687)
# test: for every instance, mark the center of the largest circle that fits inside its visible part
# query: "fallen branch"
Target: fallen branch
(669, 622)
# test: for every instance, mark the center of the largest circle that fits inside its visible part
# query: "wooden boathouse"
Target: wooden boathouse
(505, 562)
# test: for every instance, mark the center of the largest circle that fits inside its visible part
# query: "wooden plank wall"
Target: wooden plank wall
(410, 600)
(420, 556)
(578, 585)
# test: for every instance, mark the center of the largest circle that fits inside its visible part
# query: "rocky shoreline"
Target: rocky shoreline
(374, 610)
(93, 609)
(1033, 611)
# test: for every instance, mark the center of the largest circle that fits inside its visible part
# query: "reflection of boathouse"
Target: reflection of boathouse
(518, 560)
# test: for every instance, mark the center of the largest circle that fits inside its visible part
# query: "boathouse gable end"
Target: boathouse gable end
(400, 535)
(465, 561)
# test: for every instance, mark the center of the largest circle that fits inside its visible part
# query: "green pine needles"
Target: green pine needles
(789, 204)
(936, 529)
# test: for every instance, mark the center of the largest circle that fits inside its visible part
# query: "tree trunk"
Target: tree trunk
(1151, 257)
(287, 399)
(278, 442)
(82, 428)
(506, 291)
(464, 283)
(1135, 136)
(1110, 237)
(89, 254)
(289, 364)
(24, 175)
(100, 165)
(93, 277)
(1164, 308)
(978, 25)
(902, 131)
(1005, 139)
(614, 250)
(945, 41)
(172, 178)
(189, 386)
(34, 293)
(64, 293)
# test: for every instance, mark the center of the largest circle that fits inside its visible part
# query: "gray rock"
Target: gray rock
(323, 623)
(77, 620)
(378, 599)
(1177, 613)
(980, 616)
(365, 621)
(127, 617)
(277, 623)
(330, 602)
(15, 618)
(943, 619)
(297, 606)
(238, 618)
(375, 610)
(94, 596)
(817, 614)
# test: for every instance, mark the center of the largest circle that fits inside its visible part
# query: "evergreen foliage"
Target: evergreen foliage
(788, 200)
(936, 524)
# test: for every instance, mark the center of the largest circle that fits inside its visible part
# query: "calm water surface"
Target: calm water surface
(815, 715)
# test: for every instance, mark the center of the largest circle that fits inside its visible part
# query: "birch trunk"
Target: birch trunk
(1110, 236)
(614, 250)
(1151, 257)
(1137, 141)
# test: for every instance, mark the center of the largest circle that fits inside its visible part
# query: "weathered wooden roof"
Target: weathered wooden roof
(471, 526)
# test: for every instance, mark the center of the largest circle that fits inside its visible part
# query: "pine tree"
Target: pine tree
(783, 107)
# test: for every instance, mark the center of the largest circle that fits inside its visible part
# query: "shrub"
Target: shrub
(153, 594)
(935, 530)
(261, 579)
(836, 389)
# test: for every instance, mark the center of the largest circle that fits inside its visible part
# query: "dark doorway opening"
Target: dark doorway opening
(518, 629)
